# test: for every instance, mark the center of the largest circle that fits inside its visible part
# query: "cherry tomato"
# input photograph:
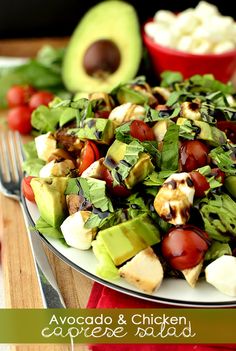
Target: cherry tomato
(117, 190)
(193, 154)
(200, 183)
(102, 114)
(88, 155)
(141, 131)
(218, 174)
(40, 98)
(19, 95)
(19, 118)
(184, 246)
(27, 189)
(229, 127)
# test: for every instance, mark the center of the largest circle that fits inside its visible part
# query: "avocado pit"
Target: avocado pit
(101, 59)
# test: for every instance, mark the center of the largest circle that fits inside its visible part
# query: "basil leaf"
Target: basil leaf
(170, 149)
(121, 171)
(169, 78)
(224, 159)
(46, 229)
(45, 119)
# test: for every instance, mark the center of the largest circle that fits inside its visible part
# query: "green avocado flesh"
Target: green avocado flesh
(230, 184)
(138, 172)
(113, 22)
(125, 240)
(213, 135)
(50, 198)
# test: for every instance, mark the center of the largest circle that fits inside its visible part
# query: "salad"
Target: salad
(144, 176)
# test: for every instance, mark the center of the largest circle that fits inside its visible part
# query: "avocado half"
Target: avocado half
(105, 48)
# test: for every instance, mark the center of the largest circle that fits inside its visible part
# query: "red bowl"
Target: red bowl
(222, 66)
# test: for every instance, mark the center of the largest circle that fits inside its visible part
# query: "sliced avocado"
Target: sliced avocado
(213, 135)
(115, 154)
(106, 268)
(138, 172)
(105, 48)
(50, 198)
(230, 184)
(99, 129)
(126, 239)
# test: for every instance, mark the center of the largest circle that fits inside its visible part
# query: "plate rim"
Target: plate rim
(137, 294)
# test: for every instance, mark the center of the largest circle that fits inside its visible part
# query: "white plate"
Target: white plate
(172, 291)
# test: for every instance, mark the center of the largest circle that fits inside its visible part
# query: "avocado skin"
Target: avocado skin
(230, 184)
(50, 198)
(98, 129)
(125, 240)
(113, 20)
(213, 135)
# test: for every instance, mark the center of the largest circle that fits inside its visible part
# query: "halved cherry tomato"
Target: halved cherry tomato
(141, 131)
(19, 118)
(193, 154)
(19, 95)
(88, 155)
(40, 98)
(27, 189)
(229, 127)
(184, 246)
(218, 174)
(200, 183)
(117, 190)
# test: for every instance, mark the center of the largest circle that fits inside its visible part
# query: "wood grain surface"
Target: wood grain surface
(21, 286)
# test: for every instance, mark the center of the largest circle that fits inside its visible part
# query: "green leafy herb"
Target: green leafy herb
(224, 159)
(32, 164)
(187, 130)
(169, 78)
(121, 171)
(46, 119)
(46, 229)
(219, 216)
(216, 250)
(170, 150)
(154, 179)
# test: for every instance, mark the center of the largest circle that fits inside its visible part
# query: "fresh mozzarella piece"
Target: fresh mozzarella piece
(221, 273)
(191, 274)
(56, 169)
(184, 43)
(94, 170)
(223, 46)
(160, 129)
(74, 232)
(127, 112)
(47, 170)
(164, 17)
(164, 36)
(200, 46)
(151, 29)
(144, 271)
(45, 144)
(204, 10)
(185, 22)
(174, 199)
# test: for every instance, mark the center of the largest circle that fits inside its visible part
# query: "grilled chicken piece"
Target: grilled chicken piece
(70, 142)
(144, 271)
(76, 202)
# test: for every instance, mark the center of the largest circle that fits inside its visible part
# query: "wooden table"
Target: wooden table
(21, 287)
